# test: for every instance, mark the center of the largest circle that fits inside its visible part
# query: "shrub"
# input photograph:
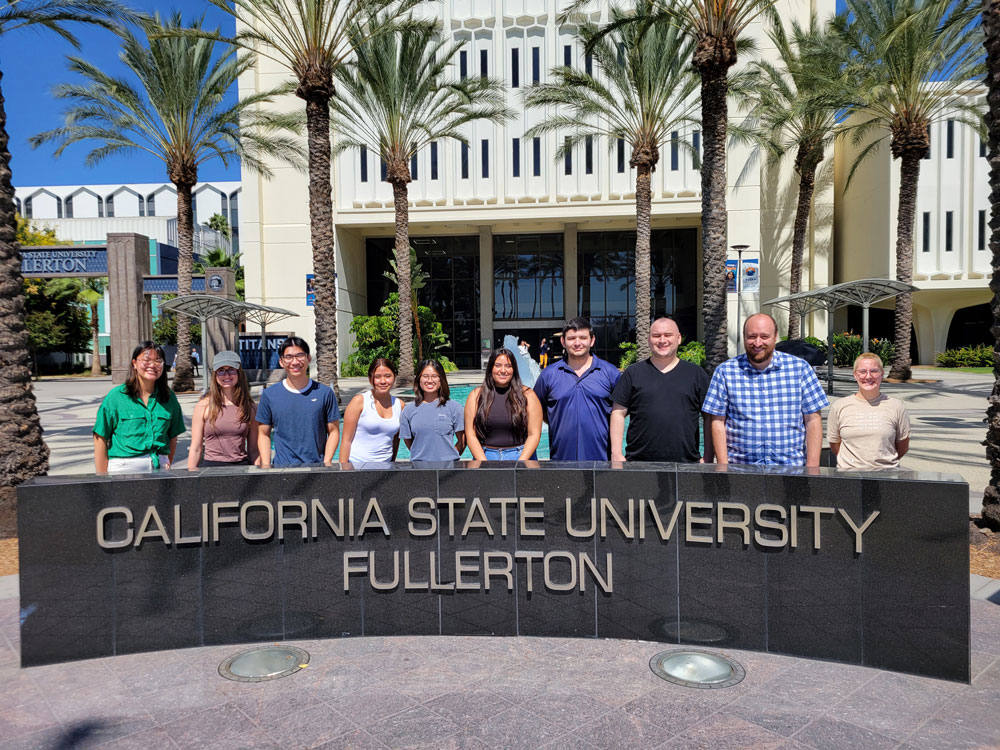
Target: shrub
(629, 353)
(966, 356)
(376, 336)
(848, 346)
(693, 351)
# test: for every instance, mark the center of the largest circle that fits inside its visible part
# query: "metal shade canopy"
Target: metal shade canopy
(205, 306)
(864, 292)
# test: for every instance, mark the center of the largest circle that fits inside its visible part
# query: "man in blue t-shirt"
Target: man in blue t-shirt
(302, 413)
(576, 398)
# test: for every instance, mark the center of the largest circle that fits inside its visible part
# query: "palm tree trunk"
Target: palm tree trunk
(399, 197)
(714, 111)
(184, 373)
(23, 454)
(416, 327)
(909, 174)
(991, 23)
(321, 234)
(95, 347)
(643, 200)
(807, 185)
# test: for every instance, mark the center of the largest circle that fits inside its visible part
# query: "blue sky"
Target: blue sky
(35, 61)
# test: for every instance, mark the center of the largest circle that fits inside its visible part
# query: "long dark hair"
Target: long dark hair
(517, 402)
(444, 392)
(161, 390)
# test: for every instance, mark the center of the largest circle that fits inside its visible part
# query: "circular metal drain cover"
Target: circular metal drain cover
(264, 663)
(697, 669)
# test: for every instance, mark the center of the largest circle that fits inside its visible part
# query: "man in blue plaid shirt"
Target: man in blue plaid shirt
(765, 405)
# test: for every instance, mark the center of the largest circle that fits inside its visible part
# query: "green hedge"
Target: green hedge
(693, 351)
(376, 336)
(967, 356)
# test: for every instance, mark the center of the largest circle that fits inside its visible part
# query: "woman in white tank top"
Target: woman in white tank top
(371, 420)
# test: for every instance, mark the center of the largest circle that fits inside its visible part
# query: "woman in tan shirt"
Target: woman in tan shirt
(223, 427)
(868, 430)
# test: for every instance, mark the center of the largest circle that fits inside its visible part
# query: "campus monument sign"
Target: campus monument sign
(859, 568)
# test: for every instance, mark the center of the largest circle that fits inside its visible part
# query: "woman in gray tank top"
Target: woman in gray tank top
(223, 427)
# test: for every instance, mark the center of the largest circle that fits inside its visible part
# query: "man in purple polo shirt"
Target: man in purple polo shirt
(576, 398)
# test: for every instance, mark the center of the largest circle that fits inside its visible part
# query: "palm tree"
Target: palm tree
(179, 113)
(645, 91)
(23, 454)
(991, 22)
(396, 98)
(912, 64)
(217, 257)
(785, 113)
(88, 292)
(312, 39)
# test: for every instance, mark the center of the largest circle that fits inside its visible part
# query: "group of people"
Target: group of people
(761, 407)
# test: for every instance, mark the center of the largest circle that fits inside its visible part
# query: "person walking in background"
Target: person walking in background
(371, 419)
(543, 353)
(223, 427)
(138, 422)
(663, 395)
(503, 418)
(195, 359)
(868, 430)
(434, 427)
(765, 405)
(302, 414)
(575, 395)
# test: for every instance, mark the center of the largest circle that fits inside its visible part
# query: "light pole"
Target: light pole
(740, 249)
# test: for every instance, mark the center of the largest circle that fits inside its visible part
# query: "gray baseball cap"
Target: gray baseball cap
(225, 359)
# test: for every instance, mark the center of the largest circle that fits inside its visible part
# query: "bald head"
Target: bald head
(758, 319)
(664, 338)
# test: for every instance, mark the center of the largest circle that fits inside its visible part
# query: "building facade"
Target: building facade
(514, 241)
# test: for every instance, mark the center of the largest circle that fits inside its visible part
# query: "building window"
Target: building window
(27, 208)
(515, 68)
(927, 153)
(69, 207)
(434, 160)
(621, 156)
(100, 207)
(950, 140)
(568, 158)
(536, 65)
(465, 161)
(142, 206)
(982, 147)
(485, 146)
(364, 164)
(151, 204)
(567, 55)
(536, 157)
(588, 154)
(234, 219)
(981, 242)
(949, 221)
(413, 167)
(484, 69)
(696, 145)
(588, 63)
(463, 64)
(382, 170)
(109, 207)
(621, 53)
(926, 232)
(528, 276)
(674, 151)
(515, 156)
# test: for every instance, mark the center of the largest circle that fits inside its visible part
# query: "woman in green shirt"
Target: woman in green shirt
(138, 422)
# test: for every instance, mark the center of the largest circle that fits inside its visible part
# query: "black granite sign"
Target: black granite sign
(862, 568)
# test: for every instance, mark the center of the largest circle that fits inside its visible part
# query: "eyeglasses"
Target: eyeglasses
(150, 362)
(226, 372)
(295, 357)
(868, 372)
(430, 378)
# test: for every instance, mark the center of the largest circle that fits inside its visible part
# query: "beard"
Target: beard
(761, 356)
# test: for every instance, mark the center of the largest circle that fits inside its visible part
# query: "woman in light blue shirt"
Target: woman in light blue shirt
(434, 427)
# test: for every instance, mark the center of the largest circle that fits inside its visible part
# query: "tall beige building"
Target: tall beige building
(514, 241)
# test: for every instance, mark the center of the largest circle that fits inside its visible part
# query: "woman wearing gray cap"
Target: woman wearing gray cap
(223, 428)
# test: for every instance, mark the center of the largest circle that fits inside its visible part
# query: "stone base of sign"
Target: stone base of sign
(776, 560)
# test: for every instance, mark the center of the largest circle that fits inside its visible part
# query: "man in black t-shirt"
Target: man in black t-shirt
(663, 397)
